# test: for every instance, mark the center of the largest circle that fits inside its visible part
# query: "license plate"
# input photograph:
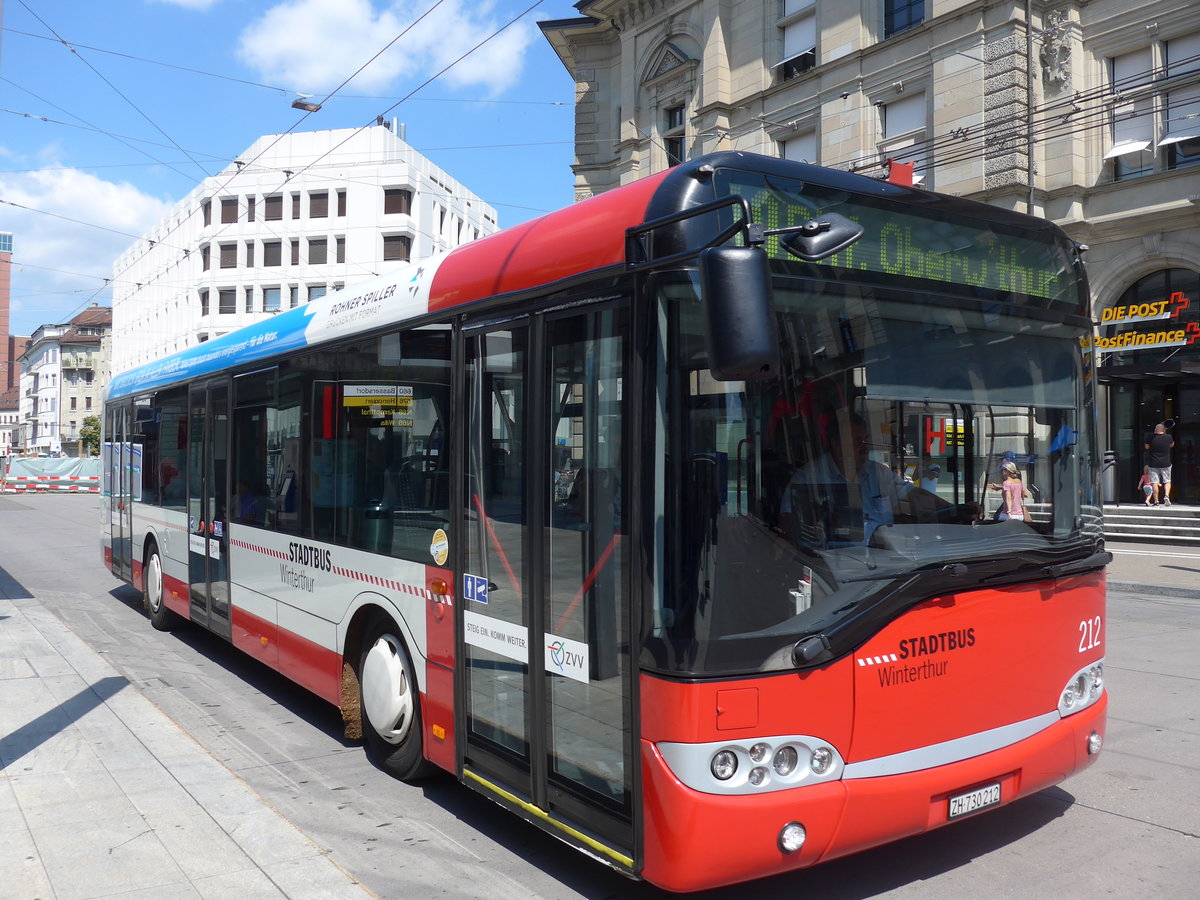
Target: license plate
(973, 801)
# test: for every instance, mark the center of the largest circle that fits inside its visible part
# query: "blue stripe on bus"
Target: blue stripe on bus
(278, 334)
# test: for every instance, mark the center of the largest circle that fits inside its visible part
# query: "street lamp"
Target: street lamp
(302, 102)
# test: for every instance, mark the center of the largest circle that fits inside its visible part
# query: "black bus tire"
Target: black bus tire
(161, 617)
(391, 703)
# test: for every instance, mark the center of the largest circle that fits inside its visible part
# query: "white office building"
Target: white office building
(295, 216)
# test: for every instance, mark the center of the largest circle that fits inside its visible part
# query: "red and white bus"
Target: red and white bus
(670, 521)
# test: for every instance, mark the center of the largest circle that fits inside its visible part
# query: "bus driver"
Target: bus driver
(845, 491)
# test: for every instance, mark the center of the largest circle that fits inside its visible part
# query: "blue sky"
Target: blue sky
(112, 110)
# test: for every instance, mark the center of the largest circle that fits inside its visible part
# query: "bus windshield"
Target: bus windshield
(910, 446)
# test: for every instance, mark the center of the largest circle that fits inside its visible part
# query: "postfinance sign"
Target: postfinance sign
(1175, 334)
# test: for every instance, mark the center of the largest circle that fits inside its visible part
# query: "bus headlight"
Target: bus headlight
(791, 837)
(754, 765)
(822, 759)
(785, 761)
(724, 765)
(1084, 689)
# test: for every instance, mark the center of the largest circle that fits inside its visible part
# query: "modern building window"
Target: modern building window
(318, 204)
(229, 207)
(204, 301)
(1182, 134)
(397, 200)
(206, 211)
(904, 137)
(228, 256)
(315, 291)
(227, 301)
(1130, 80)
(250, 208)
(272, 253)
(249, 254)
(274, 208)
(294, 296)
(340, 245)
(248, 293)
(295, 206)
(798, 29)
(318, 251)
(800, 147)
(397, 247)
(295, 242)
(674, 134)
(901, 15)
(204, 257)
(341, 203)
(270, 299)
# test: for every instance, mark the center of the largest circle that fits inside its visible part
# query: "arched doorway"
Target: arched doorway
(1149, 357)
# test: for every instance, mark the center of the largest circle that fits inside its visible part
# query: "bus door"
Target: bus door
(547, 671)
(120, 507)
(208, 504)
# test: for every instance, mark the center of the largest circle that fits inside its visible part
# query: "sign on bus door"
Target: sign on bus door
(545, 610)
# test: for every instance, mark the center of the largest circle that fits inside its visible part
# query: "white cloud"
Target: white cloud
(316, 44)
(47, 248)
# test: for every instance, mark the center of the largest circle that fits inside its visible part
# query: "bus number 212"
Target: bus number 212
(1089, 634)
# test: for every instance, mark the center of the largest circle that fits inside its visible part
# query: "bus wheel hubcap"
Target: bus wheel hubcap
(386, 689)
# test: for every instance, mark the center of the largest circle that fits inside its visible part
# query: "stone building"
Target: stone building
(1086, 112)
(63, 372)
(292, 217)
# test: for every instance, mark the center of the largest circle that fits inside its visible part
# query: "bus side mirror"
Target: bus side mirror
(735, 287)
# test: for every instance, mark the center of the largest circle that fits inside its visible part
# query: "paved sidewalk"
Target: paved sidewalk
(102, 795)
(1158, 569)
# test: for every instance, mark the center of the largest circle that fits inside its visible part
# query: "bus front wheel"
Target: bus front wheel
(391, 703)
(161, 617)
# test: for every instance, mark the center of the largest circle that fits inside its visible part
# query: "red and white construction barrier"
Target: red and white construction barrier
(73, 484)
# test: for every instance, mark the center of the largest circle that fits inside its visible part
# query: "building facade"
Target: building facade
(294, 216)
(63, 372)
(1086, 112)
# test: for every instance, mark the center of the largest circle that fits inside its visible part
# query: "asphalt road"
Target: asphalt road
(1128, 826)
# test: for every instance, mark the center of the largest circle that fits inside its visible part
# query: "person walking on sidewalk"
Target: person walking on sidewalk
(1159, 459)
(1144, 485)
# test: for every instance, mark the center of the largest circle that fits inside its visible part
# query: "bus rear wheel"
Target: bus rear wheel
(161, 617)
(391, 704)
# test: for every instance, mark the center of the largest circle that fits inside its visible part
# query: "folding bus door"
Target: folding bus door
(545, 580)
(208, 506)
(120, 508)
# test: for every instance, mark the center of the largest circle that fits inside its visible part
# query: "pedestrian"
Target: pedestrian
(1159, 459)
(1145, 486)
(1013, 489)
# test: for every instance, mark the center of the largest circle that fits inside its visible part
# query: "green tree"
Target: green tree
(89, 433)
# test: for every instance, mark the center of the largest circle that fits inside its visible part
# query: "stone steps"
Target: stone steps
(1161, 524)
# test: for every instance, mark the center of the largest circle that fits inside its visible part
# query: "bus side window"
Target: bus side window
(254, 414)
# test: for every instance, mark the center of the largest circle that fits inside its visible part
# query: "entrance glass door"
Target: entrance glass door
(545, 586)
(208, 501)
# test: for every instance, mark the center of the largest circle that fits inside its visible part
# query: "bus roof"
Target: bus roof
(585, 236)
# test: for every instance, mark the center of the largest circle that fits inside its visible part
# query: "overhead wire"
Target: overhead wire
(96, 128)
(382, 115)
(115, 89)
(311, 164)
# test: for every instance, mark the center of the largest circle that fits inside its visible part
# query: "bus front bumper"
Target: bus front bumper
(695, 840)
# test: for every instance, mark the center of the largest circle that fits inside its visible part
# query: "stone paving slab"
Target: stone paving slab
(102, 795)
